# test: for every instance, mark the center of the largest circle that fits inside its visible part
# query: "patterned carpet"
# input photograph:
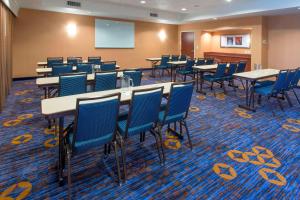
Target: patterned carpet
(236, 155)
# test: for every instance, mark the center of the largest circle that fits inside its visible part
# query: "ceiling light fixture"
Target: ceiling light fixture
(143, 2)
(215, 18)
(228, 0)
(183, 9)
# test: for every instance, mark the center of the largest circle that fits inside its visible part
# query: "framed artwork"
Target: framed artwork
(235, 41)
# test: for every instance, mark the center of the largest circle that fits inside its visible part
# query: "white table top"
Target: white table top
(44, 63)
(206, 67)
(51, 81)
(60, 106)
(258, 74)
(177, 62)
(153, 59)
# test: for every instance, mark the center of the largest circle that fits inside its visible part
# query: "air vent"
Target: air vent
(73, 3)
(153, 15)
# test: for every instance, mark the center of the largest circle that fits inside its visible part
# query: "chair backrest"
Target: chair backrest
(136, 76)
(95, 60)
(174, 57)
(87, 68)
(289, 78)
(241, 67)
(296, 78)
(108, 66)
(201, 61)
(105, 81)
(61, 69)
(71, 84)
(179, 100)
(232, 69)
(144, 109)
(210, 61)
(221, 70)
(189, 64)
(54, 61)
(95, 121)
(280, 82)
(164, 60)
(74, 60)
(183, 58)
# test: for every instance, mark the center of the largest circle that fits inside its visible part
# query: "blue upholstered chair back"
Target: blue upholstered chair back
(289, 79)
(87, 68)
(232, 69)
(144, 109)
(189, 64)
(105, 81)
(183, 58)
(220, 71)
(295, 79)
(108, 66)
(164, 60)
(210, 61)
(94, 60)
(95, 121)
(55, 61)
(61, 69)
(72, 84)
(174, 58)
(136, 77)
(74, 60)
(179, 100)
(241, 67)
(200, 61)
(280, 83)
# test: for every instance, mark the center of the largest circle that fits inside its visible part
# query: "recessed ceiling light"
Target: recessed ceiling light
(215, 18)
(299, 8)
(183, 9)
(142, 2)
(228, 0)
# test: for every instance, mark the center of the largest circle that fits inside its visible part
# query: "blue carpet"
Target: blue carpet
(237, 154)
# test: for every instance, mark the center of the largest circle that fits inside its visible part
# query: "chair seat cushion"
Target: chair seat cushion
(170, 119)
(267, 90)
(210, 78)
(161, 66)
(263, 84)
(133, 131)
(185, 72)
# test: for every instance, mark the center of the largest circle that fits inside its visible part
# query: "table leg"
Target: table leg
(153, 63)
(61, 156)
(248, 98)
(171, 73)
(201, 73)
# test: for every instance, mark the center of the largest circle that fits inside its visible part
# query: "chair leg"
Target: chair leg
(118, 163)
(188, 134)
(211, 86)
(158, 148)
(279, 103)
(69, 175)
(296, 95)
(288, 99)
(123, 152)
(184, 78)
(242, 84)
(269, 103)
(161, 145)
(223, 85)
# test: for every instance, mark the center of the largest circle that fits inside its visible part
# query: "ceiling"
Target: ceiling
(169, 11)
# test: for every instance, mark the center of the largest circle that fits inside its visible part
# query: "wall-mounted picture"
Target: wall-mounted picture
(235, 41)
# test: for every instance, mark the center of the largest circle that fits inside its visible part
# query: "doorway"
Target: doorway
(187, 44)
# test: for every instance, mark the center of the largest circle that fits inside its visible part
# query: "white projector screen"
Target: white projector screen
(114, 34)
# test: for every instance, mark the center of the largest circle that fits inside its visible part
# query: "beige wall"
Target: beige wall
(208, 36)
(284, 41)
(41, 34)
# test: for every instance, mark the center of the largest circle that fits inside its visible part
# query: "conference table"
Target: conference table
(251, 78)
(46, 71)
(153, 61)
(173, 66)
(60, 107)
(44, 63)
(200, 70)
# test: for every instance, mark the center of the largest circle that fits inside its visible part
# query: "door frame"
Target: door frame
(181, 41)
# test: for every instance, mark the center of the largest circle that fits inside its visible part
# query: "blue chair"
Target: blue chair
(108, 66)
(200, 61)
(229, 75)
(95, 126)
(74, 60)
(183, 58)
(210, 61)
(217, 77)
(61, 69)
(163, 64)
(87, 68)
(174, 58)
(105, 81)
(55, 61)
(177, 108)
(143, 117)
(72, 84)
(294, 83)
(136, 76)
(275, 89)
(94, 60)
(187, 69)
